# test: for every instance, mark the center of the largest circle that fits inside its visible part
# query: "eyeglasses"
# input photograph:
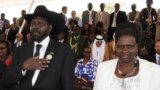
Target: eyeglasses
(87, 52)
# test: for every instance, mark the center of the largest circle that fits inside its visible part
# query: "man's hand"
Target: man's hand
(35, 63)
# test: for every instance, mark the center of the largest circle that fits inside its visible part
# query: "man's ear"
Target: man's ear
(50, 28)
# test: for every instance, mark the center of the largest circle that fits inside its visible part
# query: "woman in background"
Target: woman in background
(85, 71)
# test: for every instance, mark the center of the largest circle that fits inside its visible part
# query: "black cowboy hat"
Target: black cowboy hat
(52, 17)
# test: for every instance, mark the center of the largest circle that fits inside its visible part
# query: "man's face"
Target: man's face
(76, 31)
(149, 3)
(117, 6)
(98, 43)
(19, 37)
(102, 6)
(91, 37)
(65, 10)
(133, 7)
(3, 50)
(89, 6)
(126, 48)
(61, 36)
(73, 14)
(157, 47)
(23, 12)
(2, 16)
(39, 28)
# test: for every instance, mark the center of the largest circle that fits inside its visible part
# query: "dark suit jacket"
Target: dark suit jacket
(64, 17)
(144, 16)
(121, 17)
(85, 17)
(14, 46)
(81, 44)
(152, 58)
(59, 75)
(11, 36)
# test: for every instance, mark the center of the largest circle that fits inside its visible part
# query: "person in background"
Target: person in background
(6, 57)
(133, 8)
(86, 30)
(132, 19)
(19, 41)
(157, 37)
(63, 14)
(99, 28)
(100, 51)
(77, 43)
(116, 18)
(155, 58)
(148, 18)
(9, 33)
(103, 17)
(74, 17)
(61, 38)
(127, 71)
(90, 39)
(14, 25)
(85, 71)
(28, 37)
(89, 16)
(5, 52)
(20, 19)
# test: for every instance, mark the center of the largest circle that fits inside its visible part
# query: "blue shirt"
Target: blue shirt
(86, 71)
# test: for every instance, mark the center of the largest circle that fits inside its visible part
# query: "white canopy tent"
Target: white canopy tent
(12, 8)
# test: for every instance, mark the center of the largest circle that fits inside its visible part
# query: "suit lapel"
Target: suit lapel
(155, 60)
(51, 48)
(29, 73)
(30, 49)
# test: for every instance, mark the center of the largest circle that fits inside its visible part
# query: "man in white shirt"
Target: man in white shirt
(89, 16)
(39, 65)
(74, 17)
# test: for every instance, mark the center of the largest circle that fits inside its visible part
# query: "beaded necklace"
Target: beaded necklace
(131, 73)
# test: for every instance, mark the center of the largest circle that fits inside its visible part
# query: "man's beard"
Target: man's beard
(37, 36)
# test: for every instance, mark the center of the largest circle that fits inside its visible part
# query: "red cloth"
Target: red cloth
(9, 60)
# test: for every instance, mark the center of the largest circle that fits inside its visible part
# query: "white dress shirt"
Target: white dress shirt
(114, 19)
(90, 17)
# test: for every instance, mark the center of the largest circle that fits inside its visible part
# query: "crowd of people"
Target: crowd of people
(99, 51)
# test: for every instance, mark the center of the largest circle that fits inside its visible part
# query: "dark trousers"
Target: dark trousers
(110, 33)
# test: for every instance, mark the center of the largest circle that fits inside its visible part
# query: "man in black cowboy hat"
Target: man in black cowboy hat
(39, 65)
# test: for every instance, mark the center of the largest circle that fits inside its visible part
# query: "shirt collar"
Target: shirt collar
(44, 42)
(157, 55)
(132, 21)
(116, 12)
(90, 11)
(63, 13)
